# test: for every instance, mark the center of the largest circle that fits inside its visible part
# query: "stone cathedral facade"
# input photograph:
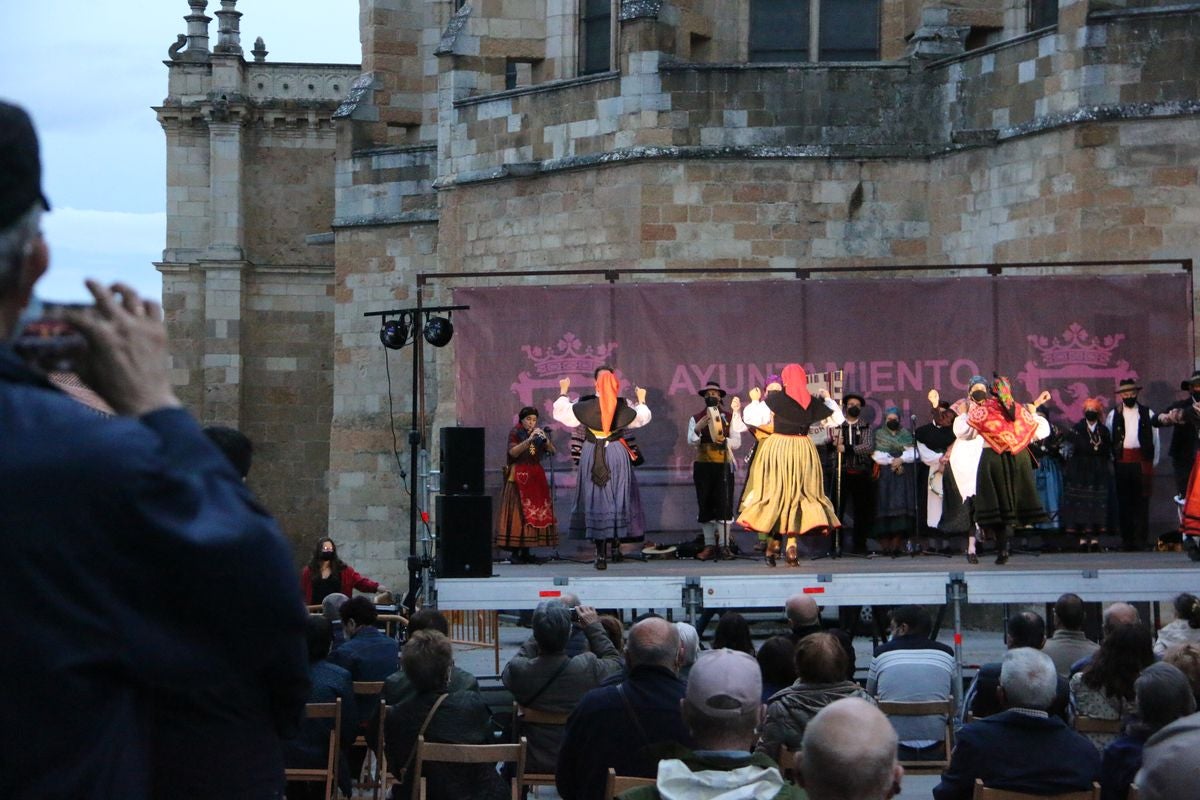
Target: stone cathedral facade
(499, 136)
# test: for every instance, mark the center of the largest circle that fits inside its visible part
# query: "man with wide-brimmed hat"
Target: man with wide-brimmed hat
(855, 441)
(715, 435)
(1182, 450)
(1134, 430)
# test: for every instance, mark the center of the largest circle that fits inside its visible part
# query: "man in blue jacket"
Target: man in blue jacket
(1023, 748)
(118, 534)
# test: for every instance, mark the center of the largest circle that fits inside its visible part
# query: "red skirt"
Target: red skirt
(526, 509)
(1190, 524)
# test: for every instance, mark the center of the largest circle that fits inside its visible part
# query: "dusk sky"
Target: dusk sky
(89, 73)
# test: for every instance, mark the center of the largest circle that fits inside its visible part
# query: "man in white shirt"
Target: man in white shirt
(715, 435)
(1134, 430)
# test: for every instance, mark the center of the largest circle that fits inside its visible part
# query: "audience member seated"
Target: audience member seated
(910, 668)
(849, 753)
(1114, 616)
(777, 663)
(616, 725)
(1184, 629)
(1026, 629)
(399, 689)
(460, 717)
(310, 749)
(804, 617)
(578, 643)
(1170, 769)
(1186, 657)
(1023, 748)
(615, 631)
(722, 710)
(821, 670)
(331, 609)
(1163, 696)
(733, 632)
(541, 676)
(1069, 643)
(1104, 689)
(689, 641)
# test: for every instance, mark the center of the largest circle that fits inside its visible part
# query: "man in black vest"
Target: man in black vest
(715, 435)
(855, 441)
(1134, 430)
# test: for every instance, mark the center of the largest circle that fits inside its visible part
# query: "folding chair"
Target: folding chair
(622, 783)
(894, 708)
(532, 716)
(370, 773)
(1085, 724)
(985, 793)
(469, 754)
(392, 623)
(327, 774)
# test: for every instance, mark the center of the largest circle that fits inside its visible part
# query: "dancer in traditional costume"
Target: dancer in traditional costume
(1189, 523)
(526, 507)
(785, 494)
(1005, 492)
(1088, 479)
(945, 512)
(895, 452)
(608, 507)
(715, 435)
(1048, 474)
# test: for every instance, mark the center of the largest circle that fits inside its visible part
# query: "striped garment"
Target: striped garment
(913, 672)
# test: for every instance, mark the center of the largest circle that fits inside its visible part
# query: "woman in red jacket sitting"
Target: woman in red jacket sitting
(327, 573)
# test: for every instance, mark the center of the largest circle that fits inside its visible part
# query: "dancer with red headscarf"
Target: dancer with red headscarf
(785, 490)
(607, 505)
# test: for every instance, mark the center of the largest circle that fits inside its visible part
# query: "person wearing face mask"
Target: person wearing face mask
(1005, 492)
(895, 452)
(1087, 483)
(1182, 450)
(1189, 415)
(945, 511)
(1134, 429)
(965, 454)
(526, 507)
(855, 441)
(326, 574)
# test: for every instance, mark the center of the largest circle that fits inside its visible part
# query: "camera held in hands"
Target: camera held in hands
(574, 613)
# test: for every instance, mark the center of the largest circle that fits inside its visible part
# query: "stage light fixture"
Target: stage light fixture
(438, 331)
(394, 333)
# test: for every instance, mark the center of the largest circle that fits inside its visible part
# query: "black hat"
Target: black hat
(711, 385)
(862, 401)
(20, 166)
(1127, 385)
(1186, 386)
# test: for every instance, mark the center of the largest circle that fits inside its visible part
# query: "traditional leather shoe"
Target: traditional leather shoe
(1002, 557)
(617, 555)
(530, 558)
(793, 559)
(772, 552)
(726, 553)
(972, 558)
(707, 554)
(601, 563)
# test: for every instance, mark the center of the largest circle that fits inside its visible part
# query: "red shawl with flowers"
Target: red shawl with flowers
(1002, 434)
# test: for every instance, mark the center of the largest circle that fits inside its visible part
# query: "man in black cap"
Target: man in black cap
(1134, 430)
(855, 442)
(119, 533)
(715, 435)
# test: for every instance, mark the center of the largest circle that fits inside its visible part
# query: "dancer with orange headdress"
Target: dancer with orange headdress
(785, 490)
(607, 505)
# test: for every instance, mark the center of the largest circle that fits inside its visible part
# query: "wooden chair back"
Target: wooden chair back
(893, 708)
(469, 754)
(1134, 792)
(622, 783)
(986, 793)
(327, 774)
(1084, 724)
(532, 716)
(476, 629)
(392, 623)
(371, 774)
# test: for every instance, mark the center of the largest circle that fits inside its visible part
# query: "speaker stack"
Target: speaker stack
(464, 512)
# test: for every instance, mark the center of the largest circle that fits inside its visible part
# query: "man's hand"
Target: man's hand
(735, 404)
(586, 615)
(126, 361)
(933, 397)
(755, 394)
(640, 393)
(563, 385)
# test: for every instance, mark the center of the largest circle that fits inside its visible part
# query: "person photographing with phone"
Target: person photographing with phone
(122, 530)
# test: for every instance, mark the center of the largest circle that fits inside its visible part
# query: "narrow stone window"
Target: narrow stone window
(1042, 14)
(595, 36)
(779, 30)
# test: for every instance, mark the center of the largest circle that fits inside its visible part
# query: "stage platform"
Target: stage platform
(750, 583)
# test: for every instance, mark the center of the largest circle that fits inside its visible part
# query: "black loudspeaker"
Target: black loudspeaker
(464, 524)
(462, 460)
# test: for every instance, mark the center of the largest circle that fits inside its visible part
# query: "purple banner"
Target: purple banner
(894, 339)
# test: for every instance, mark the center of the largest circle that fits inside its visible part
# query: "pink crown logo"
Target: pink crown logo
(568, 356)
(1076, 347)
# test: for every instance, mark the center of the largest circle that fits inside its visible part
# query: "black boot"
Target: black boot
(601, 563)
(615, 546)
(1002, 546)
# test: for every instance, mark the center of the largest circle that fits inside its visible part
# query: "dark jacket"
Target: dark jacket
(1022, 753)
(399, 689)
(1120, 763)
(462, 718)
(310, 747)
(120, 532)
(556, 683)
(369, 655)
(790, 711)
(601, 733)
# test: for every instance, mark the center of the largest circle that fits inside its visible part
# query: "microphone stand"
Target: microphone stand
(835, 542)
(556, 556)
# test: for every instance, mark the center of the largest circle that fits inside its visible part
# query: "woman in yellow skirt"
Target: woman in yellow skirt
(785, 490)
